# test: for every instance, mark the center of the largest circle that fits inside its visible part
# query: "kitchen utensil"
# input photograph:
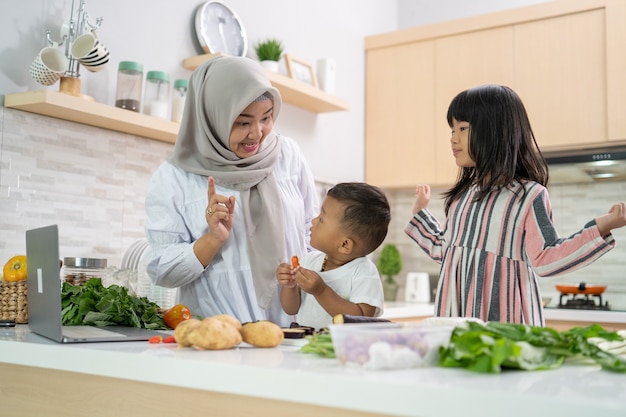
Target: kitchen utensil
(581, 288)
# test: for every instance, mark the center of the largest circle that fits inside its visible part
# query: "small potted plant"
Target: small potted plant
(269, 53)
(389, 265)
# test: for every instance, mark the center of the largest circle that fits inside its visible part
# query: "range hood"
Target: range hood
(588, 165)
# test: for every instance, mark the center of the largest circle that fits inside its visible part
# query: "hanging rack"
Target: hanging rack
(73, 28)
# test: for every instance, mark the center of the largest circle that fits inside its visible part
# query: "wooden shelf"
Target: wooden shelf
(76, 109)
(292, 91)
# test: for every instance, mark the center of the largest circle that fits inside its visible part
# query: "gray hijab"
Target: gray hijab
(219, 90)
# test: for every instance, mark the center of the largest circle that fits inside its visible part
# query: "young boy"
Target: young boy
(339, 278)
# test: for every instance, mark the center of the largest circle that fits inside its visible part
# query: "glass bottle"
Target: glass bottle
(178, 99)
(156, 99)
(129, 80)
(77, 271)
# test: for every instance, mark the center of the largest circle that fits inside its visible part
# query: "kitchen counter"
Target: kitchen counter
(400, 311)
(40, 377)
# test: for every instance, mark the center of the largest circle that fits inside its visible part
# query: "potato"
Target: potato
(229, 319)
(214, 334)
(262, 333)
(181, 333)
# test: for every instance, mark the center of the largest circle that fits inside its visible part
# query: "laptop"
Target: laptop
(44, 297)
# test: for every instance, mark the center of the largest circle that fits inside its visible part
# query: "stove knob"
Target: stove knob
(582, 286)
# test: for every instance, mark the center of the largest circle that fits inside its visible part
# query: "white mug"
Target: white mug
(417, 287)
(49, 65)
(90, 52)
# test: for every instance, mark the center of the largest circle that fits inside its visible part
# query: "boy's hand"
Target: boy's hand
(309, 281)
(422, 198)
(285, 275)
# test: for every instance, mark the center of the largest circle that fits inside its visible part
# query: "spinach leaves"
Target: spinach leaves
(491, 347)
(94, 304)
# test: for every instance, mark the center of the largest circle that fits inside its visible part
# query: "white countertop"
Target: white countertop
(396, 310)
(285, 374)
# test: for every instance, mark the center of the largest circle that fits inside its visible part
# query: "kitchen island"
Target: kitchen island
(40, 377)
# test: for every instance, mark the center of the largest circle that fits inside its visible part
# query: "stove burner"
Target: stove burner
(583, 302)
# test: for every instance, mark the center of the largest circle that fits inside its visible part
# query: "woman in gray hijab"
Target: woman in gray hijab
(234, 200)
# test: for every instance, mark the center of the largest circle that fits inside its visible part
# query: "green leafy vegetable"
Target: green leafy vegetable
(320, 344)
(491, 347)
(96, 305)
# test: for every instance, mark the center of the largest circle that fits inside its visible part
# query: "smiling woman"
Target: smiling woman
(258, 189)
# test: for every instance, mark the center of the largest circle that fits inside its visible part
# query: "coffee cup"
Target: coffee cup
(90, 52)
(49, 65)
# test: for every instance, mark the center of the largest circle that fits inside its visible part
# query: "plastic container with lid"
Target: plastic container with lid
(77, 271)
(129, 85)
(178, 99)
(156, 99)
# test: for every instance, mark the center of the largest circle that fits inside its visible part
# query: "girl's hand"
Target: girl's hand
(614, 219)
(285, 275)
(219, 213)
(422, 198)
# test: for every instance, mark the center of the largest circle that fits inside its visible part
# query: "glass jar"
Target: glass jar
(156, 99)
(129, 84)
(77, 271)
(178, 99)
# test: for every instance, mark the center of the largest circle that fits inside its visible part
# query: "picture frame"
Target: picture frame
(301, 70)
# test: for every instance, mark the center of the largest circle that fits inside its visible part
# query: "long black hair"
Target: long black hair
(501, 141)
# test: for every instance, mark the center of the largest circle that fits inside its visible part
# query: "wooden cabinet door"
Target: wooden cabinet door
(464, 61)
(561, 77)
(399, 115)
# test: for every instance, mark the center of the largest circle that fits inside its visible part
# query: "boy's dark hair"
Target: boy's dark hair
(367, 213)
(501, 141)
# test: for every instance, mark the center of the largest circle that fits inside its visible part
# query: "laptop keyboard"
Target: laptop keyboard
(81, 332)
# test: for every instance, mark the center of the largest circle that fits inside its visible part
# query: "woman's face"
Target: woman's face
(250, 128)
(459, 142)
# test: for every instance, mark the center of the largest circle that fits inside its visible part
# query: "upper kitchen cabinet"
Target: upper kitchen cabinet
(399, 113)
(564, 58)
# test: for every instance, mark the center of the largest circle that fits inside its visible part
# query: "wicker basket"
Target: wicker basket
(14, 301)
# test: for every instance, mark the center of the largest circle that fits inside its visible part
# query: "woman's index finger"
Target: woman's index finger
(211, 191)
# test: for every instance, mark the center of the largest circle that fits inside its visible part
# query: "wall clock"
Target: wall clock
(219, 29)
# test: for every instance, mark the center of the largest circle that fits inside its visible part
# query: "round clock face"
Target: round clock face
(219, 30)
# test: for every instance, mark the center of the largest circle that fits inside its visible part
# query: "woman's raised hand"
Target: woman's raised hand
(219, 212)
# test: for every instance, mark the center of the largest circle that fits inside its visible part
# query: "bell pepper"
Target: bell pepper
(176, 314)
(15, 269)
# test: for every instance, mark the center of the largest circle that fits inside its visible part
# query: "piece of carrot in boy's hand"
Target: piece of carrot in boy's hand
(294, 261)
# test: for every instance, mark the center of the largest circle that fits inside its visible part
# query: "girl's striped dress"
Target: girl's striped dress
(492, 251)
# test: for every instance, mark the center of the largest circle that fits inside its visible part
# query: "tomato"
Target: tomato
(15, 269)
(176, 314)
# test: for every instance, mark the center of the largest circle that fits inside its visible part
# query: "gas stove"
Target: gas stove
(583, 302)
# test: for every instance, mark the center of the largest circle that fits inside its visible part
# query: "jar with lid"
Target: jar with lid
(156, 99)
(129, 85)
(178, 99)
(77, 271)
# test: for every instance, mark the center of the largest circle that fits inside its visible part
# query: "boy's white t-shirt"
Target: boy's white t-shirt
(357, 281)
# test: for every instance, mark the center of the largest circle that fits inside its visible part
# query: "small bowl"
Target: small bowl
(377, 346)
